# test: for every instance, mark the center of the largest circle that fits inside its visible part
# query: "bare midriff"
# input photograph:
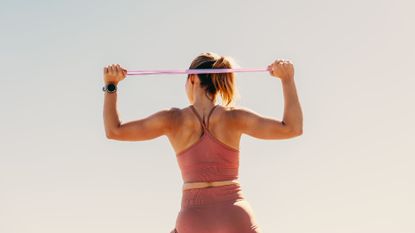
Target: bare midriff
(193, 185)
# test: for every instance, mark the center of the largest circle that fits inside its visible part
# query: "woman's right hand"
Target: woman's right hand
(282, 69)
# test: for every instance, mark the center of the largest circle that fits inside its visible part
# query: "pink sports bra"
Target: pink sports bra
(208, 159)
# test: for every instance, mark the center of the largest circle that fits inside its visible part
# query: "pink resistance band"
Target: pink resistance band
(195, 71)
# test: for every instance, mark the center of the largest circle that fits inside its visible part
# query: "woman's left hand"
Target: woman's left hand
(114, 73)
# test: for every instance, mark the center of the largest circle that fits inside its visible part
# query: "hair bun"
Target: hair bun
(221, 62)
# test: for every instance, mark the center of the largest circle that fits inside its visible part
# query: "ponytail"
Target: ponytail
(224, 83)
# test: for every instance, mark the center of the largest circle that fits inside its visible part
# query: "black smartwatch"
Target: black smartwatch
(110, 88)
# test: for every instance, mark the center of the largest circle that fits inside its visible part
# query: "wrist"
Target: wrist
(110, 87)
(287, 79)
(110, 82)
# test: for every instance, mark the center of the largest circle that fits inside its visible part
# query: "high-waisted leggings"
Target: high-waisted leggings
(218, 209)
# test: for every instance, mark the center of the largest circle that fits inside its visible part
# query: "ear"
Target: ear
(192, 78)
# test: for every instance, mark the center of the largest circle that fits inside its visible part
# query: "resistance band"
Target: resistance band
(195, 71)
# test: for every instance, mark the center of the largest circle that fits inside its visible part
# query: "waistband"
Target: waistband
(212, 195)
(194, 185)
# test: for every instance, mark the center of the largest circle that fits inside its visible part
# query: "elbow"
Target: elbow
(294, 130)
(297, 132)
(110, 134)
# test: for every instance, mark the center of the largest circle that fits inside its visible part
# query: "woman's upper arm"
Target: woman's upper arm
(152, 126)
(253, 124)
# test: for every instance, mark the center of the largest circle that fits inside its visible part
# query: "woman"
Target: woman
(205, 137)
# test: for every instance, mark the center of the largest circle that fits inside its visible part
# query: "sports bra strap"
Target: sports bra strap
(200, 119)
(210, 113)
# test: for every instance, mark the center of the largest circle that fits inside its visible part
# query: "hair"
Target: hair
(214, 83)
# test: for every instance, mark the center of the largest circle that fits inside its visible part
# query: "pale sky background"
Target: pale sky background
(352, 171)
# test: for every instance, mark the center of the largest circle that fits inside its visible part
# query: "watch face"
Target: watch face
(111, 87)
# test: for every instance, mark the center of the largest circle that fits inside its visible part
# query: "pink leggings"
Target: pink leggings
(220, 209)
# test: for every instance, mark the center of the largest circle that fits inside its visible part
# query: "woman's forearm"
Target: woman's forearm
(293, 116)
(111, 120)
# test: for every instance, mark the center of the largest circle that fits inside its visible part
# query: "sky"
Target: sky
(350, 172)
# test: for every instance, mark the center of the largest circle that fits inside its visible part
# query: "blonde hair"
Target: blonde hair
(224, 83)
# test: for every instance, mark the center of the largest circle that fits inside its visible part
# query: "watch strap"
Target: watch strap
(109, 90)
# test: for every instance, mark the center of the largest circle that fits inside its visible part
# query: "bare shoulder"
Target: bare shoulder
(178, 115)
(239, 113)
(234, 116)
(174, 114)
(169, 115)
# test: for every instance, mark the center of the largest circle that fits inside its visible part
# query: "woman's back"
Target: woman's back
(208, 159)
(190, 124)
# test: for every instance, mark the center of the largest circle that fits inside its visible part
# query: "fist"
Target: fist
(114, 73)
(282, 69)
